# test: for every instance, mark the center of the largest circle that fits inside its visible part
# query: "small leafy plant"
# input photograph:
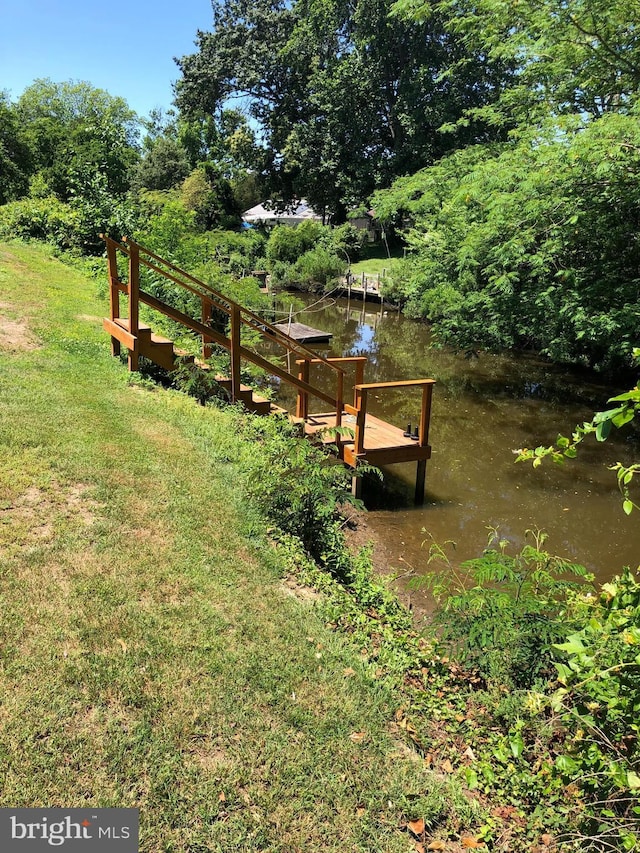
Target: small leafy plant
(500, 614)
(598, 701)
(198, 382)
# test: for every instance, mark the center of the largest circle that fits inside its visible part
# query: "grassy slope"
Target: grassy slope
(149, 656)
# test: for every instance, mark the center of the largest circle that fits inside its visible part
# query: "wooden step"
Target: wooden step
(144, 331)
(245, 394)
(159, 350)
(258, 405)
(249, 399)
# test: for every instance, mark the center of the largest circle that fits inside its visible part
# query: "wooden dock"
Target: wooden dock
(374, 441)
(383, 443)
(304, 334)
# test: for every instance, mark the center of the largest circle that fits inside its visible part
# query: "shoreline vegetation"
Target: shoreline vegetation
(185, 631)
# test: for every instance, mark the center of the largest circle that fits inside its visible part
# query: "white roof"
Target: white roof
(298, 212)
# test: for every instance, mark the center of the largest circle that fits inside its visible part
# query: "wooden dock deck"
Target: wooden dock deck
(383, 443)
(304, 334)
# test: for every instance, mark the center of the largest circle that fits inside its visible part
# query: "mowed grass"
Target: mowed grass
(375, 260)
(150, 655)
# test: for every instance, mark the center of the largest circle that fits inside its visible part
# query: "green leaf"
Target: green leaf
(633, 780)
(565, 764)
(564, 673)
(516, 743)
(573, 646)
(623, 418)
(471, 778)
(627, 506)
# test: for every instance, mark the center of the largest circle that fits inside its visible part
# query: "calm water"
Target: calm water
(483, 408)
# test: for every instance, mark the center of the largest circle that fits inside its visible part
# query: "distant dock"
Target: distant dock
(304, 334)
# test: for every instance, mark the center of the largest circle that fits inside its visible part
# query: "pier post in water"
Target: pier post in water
(421, 474)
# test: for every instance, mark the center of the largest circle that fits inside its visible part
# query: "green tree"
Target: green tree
(581, 56)
(530, 245)
(345, 97)
(76, 131)
(163, 167)
(209, 195)
(15, 154)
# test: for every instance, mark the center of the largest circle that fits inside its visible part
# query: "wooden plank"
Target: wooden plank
(393, 455)
(122, 335)
(134, 304)
(144, 331)
(384, 444)
(236, 349)
(402, 383)
(425, 418)
(335, 360)
(421, 474)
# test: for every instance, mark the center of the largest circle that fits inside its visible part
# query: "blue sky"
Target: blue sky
(125, 48)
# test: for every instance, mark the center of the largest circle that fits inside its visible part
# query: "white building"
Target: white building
(260, 215)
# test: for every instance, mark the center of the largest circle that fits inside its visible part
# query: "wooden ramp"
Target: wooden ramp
(304, 334)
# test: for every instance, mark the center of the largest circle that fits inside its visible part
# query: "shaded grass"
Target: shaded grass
(149, 656)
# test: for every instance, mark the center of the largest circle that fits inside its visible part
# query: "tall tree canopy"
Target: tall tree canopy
(534, 242)
(76, 131)
(581, 56)
(345, 96)
(15, 154)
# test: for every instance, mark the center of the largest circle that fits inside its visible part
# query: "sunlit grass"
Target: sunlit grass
(150, 656)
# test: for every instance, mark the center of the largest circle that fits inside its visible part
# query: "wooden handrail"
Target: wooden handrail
(302, 405)
(257, 323)
(359, 410)
(237, 313)
(331, 359)
(401, 383)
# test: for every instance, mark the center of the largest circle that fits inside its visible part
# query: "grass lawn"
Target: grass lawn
(151, 655)
(376, 260)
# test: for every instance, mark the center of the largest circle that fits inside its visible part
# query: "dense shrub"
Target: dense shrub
(598, 668)
(286, 244)
(69, 225)
(239, 251)
(310, 256)
(501, 613)
(532, 244)
(41, 218)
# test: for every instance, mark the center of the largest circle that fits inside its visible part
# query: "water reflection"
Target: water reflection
(483, 408)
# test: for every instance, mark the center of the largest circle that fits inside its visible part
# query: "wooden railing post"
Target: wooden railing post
(359, 376)
(235, 353)
(339, 400)
(114, 292)
(361, 406)
(206, 317)
(423, 441)
(302, 401)
(134, 304)
(425, 415)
